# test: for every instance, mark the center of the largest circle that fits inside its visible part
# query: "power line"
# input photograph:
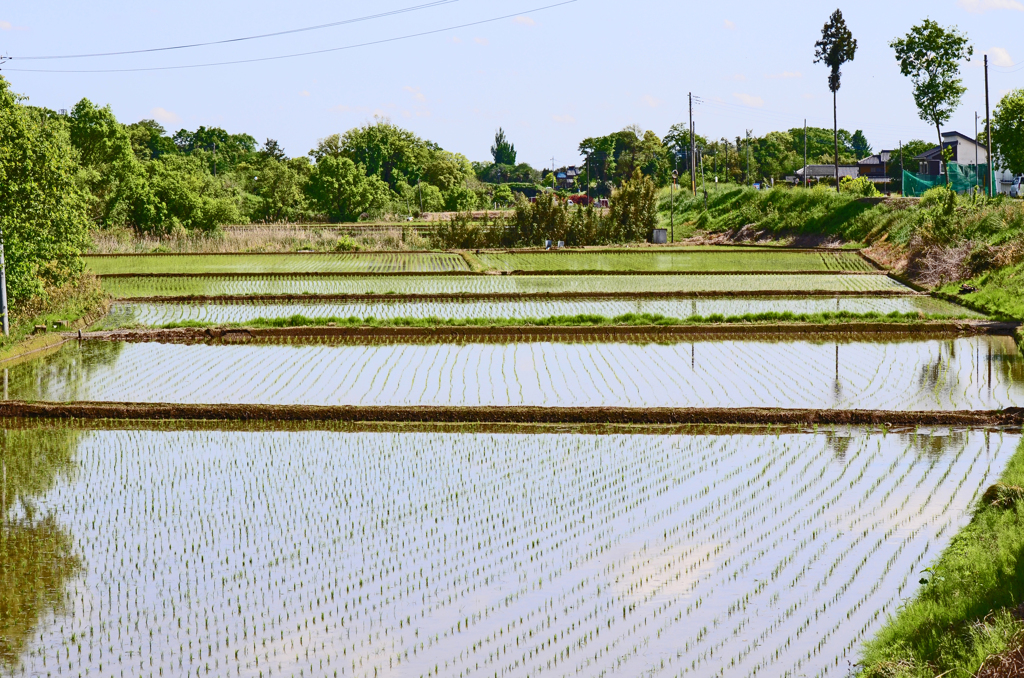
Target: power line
(297, 54)
(406, 10)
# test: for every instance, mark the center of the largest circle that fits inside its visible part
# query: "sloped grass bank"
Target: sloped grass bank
(968, 611)
(1000, 293)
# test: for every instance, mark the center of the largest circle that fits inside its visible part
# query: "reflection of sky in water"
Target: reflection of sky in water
(964, 373)
(311, 552)
(127, 314)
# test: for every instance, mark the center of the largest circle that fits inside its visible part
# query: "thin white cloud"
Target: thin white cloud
(165, 116)
(730, 26)
(565, 119)
(416, 93)
(1000, 57)
(481, 41)
(6, 26)
(982, 6)
(749, 100)
(304, 93)
(524, 21)
(785, 75)
(457, 40)
(651, 101)
(738, 77)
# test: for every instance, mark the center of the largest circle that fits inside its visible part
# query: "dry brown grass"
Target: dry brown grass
(259, 238)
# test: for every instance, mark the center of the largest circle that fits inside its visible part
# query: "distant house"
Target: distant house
(566, 177)
(819, 172)
(966, 151)
(873, 167)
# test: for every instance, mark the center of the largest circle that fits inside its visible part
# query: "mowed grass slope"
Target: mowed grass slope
(965, 610)
(341, 262)
(737, 260)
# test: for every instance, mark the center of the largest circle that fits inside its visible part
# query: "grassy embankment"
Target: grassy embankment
(72, 303)
(936, 241)
(967, 612)
(582, 320)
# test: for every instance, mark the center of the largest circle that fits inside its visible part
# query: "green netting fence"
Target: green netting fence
(962, 179)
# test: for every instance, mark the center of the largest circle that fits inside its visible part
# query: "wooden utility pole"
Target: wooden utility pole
(693, 169)
(901, 168)
(988, 131)
(749, 132)
(805, 152)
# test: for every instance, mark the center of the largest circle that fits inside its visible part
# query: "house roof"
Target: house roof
(879, 158)
(818, 171)
(954, 139)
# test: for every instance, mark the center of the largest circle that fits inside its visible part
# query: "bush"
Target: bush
(634, 209)
(861, 186)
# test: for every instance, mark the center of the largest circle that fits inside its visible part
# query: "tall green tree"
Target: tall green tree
(42, 210)
(930, 56)
(343, 191)
(1008, 131)
(150, 140)
(836, 47)
(860, 144)
(383, 149)
(503, 151)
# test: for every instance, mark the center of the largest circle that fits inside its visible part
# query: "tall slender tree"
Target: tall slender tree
(930, 56)
(836, 47)
(503, 151)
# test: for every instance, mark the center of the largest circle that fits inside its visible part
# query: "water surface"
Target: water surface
(978, 373)
(322, 554)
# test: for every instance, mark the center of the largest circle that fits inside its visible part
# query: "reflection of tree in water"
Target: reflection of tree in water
(933, 445)
(997, 360)
(36, 553)
(838, 444)
(62, 375)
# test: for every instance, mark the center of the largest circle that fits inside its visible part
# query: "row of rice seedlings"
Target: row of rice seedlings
(156, 314)
(457, 555)
(692, 260)
(481, 284)
(341, 262)
(965, 373)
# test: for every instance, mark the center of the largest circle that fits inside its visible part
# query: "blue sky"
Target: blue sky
(550, 77)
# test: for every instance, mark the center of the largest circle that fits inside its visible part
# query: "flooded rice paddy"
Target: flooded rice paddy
(501, 284)
(692, 260)
(145, 553)
(127, 314)
(977, 373)
(342, 262)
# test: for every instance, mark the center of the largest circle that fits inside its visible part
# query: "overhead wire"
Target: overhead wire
(381, 15)
(296, 54)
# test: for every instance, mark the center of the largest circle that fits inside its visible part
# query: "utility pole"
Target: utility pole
(805, 152)
(693, 169)
(977, 167)
(726, 158)
(703, 183)
(749, 132)
(990, 180)
(901, 168)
